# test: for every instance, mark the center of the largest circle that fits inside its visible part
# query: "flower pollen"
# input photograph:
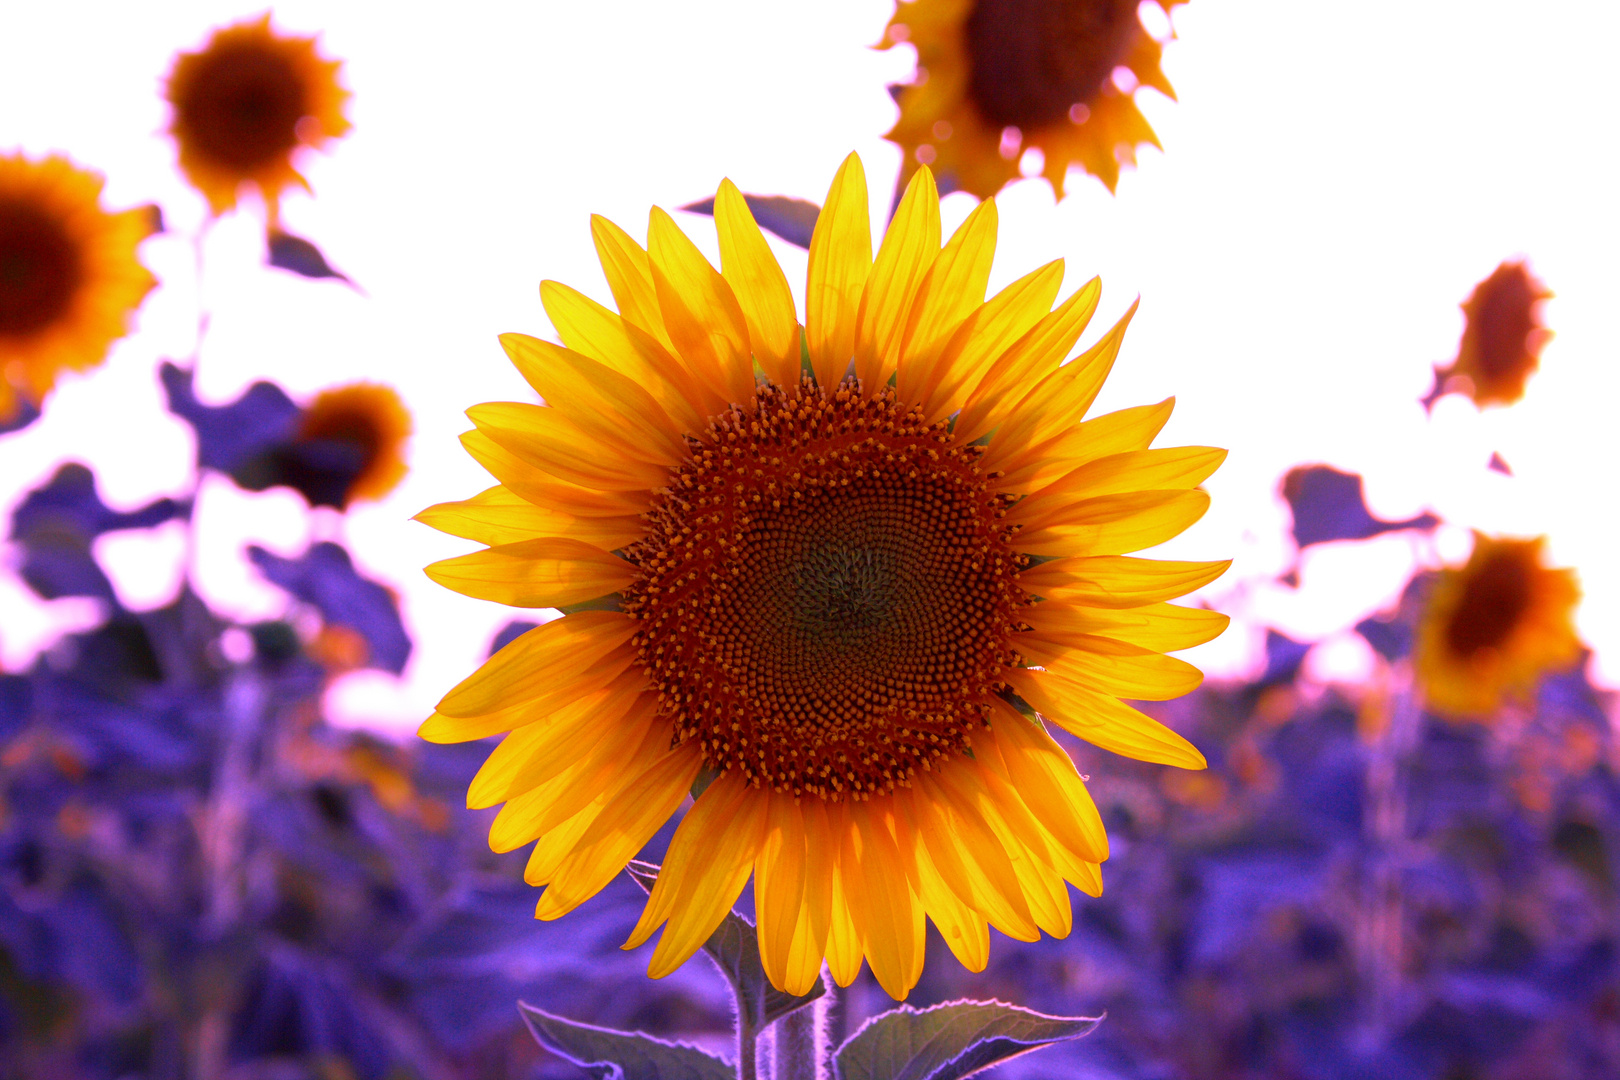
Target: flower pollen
(828, 593)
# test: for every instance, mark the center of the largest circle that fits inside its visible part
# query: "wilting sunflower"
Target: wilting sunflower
(1494, 627)
(350, 446)
(1502, 338)
(836, 568)
(246, 104)
(69, 275)
(996, 77)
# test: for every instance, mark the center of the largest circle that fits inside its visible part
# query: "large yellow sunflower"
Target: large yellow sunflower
(997, 77)
(836, 567)
(1493, 627)
(69, 275)
(245, 104)
(1502, 338)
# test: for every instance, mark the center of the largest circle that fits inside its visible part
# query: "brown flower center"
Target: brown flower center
(1501, 318)
(1495, 596)
(828, 594)
(40, 268)
(1031, 60)
(242, 105)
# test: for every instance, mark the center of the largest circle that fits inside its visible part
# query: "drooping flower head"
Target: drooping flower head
(1494, 627)
(998, 77)
(69, 274)
(1502, 338)
(246, 104)
(837, 567)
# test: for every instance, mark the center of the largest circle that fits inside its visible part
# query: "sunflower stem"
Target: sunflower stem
(747, 1046)
(799, 1049)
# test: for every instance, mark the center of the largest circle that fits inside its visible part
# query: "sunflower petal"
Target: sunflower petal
(547, 491)
(893, 918)
(621, 829)
(549, 441)
(1049, 784)
(700, 312)
(629, 275)
(951, 290)
(987, 334)
(499, 515)
(840, 262)
(1169, 469)
(761, 288)
(962, 845)
(779, 873)
(1099, 437)
(1115, 524)
(1042, 347)
(1118, 581)
(908, 252)
(550, 571)
(538, 751)
(1159, 627)
(604, 403)
(545, 660)
(1102, 719)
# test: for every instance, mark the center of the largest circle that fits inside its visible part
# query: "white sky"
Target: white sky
(1336, 179)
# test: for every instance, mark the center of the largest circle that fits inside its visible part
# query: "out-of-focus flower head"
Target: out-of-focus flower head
(815, 585)
(998, 77)
(245, 104)
(1493, 627)
(350, 445)
(1502, 339)
(69, 275)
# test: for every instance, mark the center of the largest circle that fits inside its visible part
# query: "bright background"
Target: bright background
(1336, 180)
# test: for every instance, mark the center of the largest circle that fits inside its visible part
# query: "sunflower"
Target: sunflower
(69, 275)
(1502, 338)
(245, 104)
(835, 570)
(1494, 627)
(349, 446)
(997, 77)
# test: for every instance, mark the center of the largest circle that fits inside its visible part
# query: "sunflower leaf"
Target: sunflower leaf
(950, 1041)
(621, 1055)
(1328, 505)
(288, 252)
(791, 219)
(734, 948)
(325, 577)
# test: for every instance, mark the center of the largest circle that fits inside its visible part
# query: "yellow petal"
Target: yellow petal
(719, 802)
(630, 277)
(550, 745)
(1042, 890)
(550, 571)
(637, 811)
(594, 331)
(545, 662)
(501, 516)
(1118, 581)
(1113, 667)
(1169, 469)
(1099, 437)
(1115, 524)
(603, 402)
(893, 918)
(701, 314)
(761, 288)
(846, 935)
(987, 334)
(1159, 627)
(550, 851)
(1102, 720)
(950, 291)
(840, 262)
(1059, 400)
(545, 490)
(965, 931)
(727, 852)
(1048, 782)
(965, 849)
(549, 441)
(908, 252)
(815, 917)
(1031, 356)
(779, 873)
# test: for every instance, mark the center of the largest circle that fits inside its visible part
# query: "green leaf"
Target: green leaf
(621, 1055)
(734, 948)
(951, 1041)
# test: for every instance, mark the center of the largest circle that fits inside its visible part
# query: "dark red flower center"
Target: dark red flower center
(1031, 60)
(1495, 595)
(241, 105)
(40, 268)
(828, 594)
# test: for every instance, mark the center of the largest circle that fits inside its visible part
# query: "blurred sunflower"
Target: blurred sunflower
(998, 77)
(245, 104)
(818, 565)
(1502, 338)
(1494, 627)
(350, 446)
(69, 275)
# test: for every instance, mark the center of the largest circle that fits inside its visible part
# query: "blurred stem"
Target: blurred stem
(747, 1046)
(1383, 946)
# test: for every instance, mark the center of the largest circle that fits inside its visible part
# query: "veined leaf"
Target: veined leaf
(950, 1041)
(621, 1055)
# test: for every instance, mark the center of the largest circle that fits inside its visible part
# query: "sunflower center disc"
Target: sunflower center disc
(244, 107)
(1031, 60)
(827, 593)
(1494, 598)
(39, 269)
